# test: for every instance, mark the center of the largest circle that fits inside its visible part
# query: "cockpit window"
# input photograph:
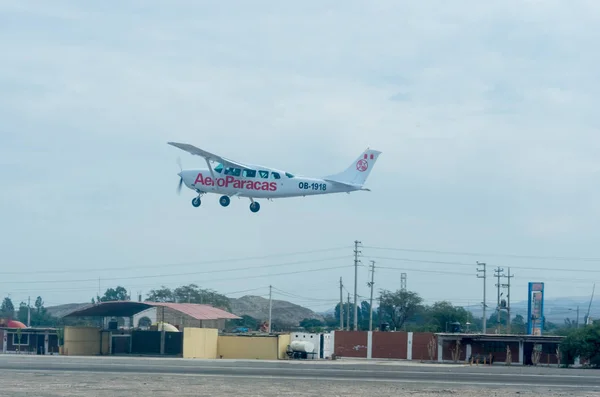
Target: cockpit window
(289, 175)
(219, 168)
(263, 174)
(275, 175)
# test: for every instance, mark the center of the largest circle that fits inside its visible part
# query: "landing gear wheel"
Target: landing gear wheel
(196, 202)
(254, 207)
(224, 201)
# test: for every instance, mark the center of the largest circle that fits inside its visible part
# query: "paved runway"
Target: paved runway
(363, 376)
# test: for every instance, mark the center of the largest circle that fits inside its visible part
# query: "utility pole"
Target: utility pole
(341, 306)
(371, 301)
(29, 311)
(507, 286)
(403, 281)
(348, 313)
(356, 252)
(498, 274)
(270, 307)
(483, 303)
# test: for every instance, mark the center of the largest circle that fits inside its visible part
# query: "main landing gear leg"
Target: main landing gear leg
(254, 206)
(196, 200)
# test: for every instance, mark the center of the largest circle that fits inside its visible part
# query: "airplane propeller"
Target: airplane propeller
(180, 178)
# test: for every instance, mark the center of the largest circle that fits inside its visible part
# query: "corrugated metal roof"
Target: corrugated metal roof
(199, 312)
(130, 308)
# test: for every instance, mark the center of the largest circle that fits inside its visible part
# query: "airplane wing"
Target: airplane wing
(207, 155)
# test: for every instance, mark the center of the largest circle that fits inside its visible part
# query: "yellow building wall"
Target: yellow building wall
(283, 342)
(200, 343)
(81, 341)
(105, 344)
(248, 347)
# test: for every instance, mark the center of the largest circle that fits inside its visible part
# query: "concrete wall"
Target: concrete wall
(386, 345)
(200, 343)
(351, 344)
(81, 341)
(282, 343)
(248, 347)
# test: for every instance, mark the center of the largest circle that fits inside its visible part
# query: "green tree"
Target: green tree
(115, 294)
(193, 294)
(584, 343)
(441, 314)
(399, 306)
(7, 309)
(246, 321)
(312, 325)
(163, 294)
(518, 325)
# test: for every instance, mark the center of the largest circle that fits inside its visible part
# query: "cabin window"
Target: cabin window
(249, 173)
(263, 174)
(275, 175)
(289, 175)
(233, 171)
(219, 168)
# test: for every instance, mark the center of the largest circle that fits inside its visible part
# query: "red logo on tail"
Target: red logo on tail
(362, 165)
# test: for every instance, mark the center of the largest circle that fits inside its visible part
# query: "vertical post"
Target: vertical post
(507, 285)
(341, 306)
(29, 311)
(483, 303)
(371, 300)
(356, 252)
(577, 323)
(162, 332)
(348, 313)
(498, 272)
(270, 307)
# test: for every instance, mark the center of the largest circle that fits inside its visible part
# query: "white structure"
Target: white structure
(314, 339)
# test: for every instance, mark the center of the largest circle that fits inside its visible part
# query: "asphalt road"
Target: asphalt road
(394, 375)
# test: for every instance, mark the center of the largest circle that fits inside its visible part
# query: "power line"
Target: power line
(216, 280)
(534, 268)
(181, 264)
(179, 274)
(558, 258)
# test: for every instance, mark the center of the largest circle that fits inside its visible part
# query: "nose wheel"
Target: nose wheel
(254, 206)
(196, 202)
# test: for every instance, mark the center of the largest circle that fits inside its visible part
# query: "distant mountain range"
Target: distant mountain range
(253, 306)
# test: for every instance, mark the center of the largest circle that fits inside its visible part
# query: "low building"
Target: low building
(28, 340)
(501, 348)
(133, 339)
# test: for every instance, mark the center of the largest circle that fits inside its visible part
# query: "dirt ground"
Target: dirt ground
(65, 384)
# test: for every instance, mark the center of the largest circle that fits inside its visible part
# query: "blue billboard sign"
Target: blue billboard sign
(535, 308)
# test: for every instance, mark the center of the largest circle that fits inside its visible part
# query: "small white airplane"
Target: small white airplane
(231, 178)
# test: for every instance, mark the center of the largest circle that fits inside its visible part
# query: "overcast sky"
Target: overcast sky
(486, 114)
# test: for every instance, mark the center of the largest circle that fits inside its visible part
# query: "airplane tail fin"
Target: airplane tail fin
(358, 172)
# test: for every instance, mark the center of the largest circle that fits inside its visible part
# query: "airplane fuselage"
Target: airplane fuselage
(262, 184)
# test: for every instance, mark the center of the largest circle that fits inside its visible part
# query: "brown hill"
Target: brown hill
(281, 311)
